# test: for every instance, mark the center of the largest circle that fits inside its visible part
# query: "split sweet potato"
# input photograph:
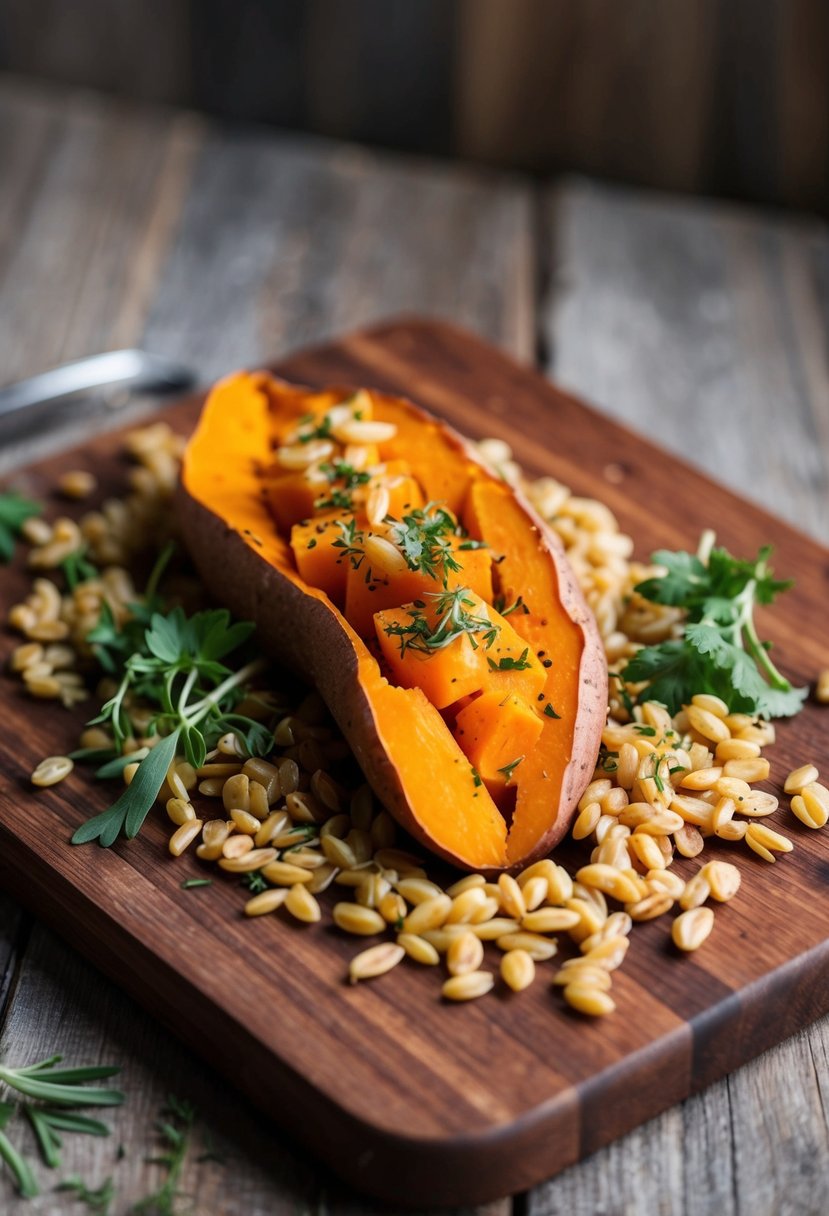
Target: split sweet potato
(246, 515)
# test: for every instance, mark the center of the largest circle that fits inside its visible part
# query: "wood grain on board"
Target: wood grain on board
(403, 1095)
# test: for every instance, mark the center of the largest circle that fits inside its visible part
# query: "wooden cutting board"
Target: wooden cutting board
(406, 1097)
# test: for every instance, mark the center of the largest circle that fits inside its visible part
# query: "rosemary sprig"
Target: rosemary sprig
(175, 1128)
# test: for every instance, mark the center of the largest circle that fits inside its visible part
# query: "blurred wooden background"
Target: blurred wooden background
(728, 97)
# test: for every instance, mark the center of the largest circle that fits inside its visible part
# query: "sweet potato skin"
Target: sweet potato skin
(307, 634)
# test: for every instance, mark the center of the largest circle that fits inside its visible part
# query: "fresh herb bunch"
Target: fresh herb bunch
(719, 651)
(49, 1092)
(453, 620)
(174, 664)
(14, 511)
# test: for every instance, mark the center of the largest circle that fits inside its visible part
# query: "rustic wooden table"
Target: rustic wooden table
(224, 247)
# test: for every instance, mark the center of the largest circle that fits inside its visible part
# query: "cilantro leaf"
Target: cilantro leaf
(719, 651)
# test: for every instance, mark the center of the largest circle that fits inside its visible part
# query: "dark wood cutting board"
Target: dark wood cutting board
(406, 1097)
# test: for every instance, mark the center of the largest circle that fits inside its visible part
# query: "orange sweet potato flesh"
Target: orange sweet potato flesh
(401, 741)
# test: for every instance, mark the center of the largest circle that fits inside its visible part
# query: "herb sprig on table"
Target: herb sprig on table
(719, 651)
(454, 619)
(14, 511)
(48, 1093)
(175, 664)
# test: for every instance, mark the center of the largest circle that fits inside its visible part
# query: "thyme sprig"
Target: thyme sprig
(452, 617)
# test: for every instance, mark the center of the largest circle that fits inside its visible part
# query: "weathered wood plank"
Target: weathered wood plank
(702, 327)
(285, 242)
(705, 328)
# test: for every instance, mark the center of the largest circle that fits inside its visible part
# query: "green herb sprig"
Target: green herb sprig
(425, 538)
(173, 663)
(507, 663)
(14, 511)
(719, 651)
(48, 1092)
(344, 479)
(175, 1129)
(454, 619)
(98, 1201)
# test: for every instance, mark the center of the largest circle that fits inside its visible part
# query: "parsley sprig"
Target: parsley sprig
(720, 651)
(14, 511)
(451, 618)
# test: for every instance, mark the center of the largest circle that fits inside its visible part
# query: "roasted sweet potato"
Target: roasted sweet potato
(549, 660)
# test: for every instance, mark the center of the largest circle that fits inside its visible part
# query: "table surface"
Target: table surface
(705, 326)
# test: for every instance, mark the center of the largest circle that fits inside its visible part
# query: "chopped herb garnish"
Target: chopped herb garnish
(509, 664)
(454, 620)
(351, 542)
(344, 479)
(476, 777)
(190, 883)
(322, 430)
(312, 543)
(550, 712)
(500, 605)
(425, 537)
(641, 729)
(657, 777)
(14, 511)
(509, 769)
(254, 882)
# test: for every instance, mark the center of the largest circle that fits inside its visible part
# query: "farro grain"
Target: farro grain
(691, 928)
(576, 971)
(764, 836)
(302, 905)
(465, 954)
(51, 770)
(355, 919)
(283, 873)
(429, 915)
(809, 811)
(588, 1000)
(517, 969)
(184, 836)
(266, 901)
(375, 961)
(467, 987)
